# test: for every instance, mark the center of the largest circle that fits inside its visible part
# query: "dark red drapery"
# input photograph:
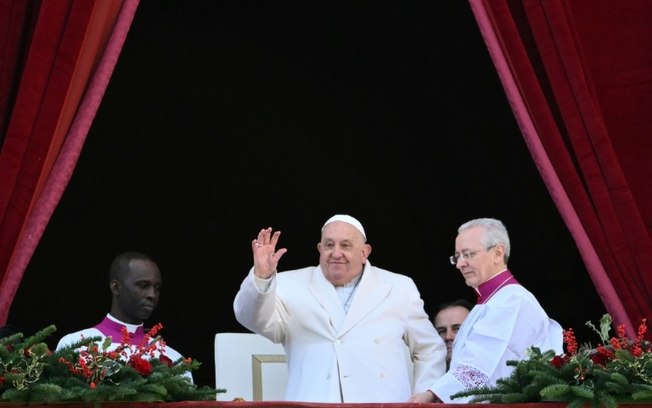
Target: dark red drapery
(57, 57)
(578, 75)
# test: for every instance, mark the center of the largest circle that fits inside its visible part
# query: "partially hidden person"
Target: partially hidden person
(448, 320)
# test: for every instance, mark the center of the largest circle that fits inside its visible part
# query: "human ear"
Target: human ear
(366, 251)
(499, 253)
(114, 285)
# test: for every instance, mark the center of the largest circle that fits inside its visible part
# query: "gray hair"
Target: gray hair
(494, 234)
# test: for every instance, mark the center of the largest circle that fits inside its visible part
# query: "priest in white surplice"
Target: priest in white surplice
(506, 321)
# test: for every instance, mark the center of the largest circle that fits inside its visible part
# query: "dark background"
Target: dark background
(224, 117)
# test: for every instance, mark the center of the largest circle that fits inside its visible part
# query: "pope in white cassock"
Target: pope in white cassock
(349, 329)
(506, 321)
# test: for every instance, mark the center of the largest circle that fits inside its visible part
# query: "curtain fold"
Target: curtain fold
(15, 22)
(567, 86)
(69, 52)
(577, 73)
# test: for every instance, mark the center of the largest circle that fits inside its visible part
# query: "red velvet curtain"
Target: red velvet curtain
(578, 75)
(55, 63)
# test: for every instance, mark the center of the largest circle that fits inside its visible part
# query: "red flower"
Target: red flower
(558, 361)
(96, 363)
(165, 359)
(142, 367)
(601, 358)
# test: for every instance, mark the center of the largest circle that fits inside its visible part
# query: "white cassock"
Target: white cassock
(334, 356)
(507, 321)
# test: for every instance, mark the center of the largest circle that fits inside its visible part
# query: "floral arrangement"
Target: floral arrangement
(618, 370)
(95, 370)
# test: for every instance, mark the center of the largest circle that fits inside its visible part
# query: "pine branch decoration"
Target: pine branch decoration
(618, 370)
(31, 373)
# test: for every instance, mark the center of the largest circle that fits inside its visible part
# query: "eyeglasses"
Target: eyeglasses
(466, 255)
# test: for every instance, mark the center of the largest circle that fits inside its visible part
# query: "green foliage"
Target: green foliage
(619, 370)
(90, 372)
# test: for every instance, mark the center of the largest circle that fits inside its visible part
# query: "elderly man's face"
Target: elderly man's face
(480, 264)
(342, 252)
